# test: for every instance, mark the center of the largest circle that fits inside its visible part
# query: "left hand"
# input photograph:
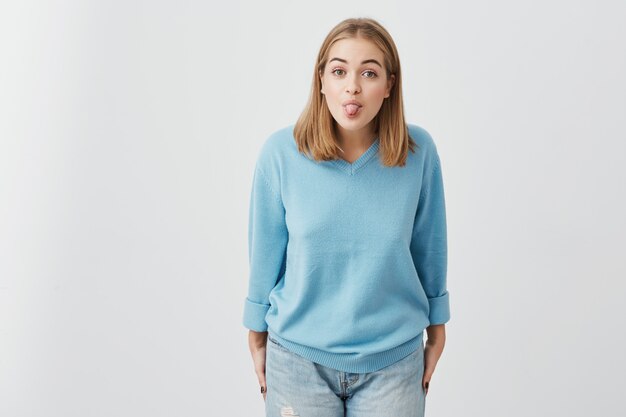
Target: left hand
(432, 352)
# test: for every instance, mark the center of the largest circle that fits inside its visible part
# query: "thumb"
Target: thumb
(263, 386)
(425, 384)
(430, 363)
(259, 367)
(428, 373)
(429, 369)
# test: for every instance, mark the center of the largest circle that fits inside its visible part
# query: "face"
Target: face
(355, 71)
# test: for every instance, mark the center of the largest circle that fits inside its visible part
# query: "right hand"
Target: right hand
(257, 342)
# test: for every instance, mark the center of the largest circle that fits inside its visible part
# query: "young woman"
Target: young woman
(347, 244)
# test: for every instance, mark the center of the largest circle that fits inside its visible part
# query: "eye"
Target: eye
(373, 74)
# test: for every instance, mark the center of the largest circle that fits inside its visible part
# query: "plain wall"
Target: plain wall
(128, 136)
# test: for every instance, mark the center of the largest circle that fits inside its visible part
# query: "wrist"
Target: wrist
(257, 339)
(436, 333)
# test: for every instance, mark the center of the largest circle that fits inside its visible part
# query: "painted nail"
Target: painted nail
(262, 390)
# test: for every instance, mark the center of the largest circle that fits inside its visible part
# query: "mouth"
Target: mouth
(345, 103)
(351, 109)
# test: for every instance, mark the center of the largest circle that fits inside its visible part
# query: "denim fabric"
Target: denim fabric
(299, 387)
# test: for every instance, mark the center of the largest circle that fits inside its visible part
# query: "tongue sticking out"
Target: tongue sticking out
(351, 109)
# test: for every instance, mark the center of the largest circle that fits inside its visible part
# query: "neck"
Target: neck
(351, 139)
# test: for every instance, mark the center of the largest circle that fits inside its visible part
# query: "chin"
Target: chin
(354, 125)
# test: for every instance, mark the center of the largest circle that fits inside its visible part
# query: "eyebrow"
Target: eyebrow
(367, 61)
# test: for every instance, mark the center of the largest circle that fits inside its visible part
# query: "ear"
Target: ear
(321, 82)
(390, 83)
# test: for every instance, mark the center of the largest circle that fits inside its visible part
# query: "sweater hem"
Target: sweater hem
(348, 362)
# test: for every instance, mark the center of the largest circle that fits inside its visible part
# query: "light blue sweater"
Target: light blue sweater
(347, 260)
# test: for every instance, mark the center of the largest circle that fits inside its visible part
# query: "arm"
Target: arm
(430, 255)
(267, 243)
(429, 243)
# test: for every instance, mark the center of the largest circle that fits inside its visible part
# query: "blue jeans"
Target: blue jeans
(299, 387)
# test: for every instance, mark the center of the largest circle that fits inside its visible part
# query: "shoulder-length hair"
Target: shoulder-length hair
(314, 130)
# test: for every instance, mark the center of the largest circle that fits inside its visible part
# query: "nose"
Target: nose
(352, 86)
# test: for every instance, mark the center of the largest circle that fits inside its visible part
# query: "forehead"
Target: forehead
(355, 50)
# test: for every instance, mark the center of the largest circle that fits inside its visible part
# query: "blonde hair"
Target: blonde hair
(314, 131)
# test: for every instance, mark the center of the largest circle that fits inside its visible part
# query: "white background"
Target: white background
(128, 135)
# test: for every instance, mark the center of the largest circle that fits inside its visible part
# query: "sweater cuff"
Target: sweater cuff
(439, 309)
(254, 315)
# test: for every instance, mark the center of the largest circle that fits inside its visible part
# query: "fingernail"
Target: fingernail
(262, 390)
(427, 384)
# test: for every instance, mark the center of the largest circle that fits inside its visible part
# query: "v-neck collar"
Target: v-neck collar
(352, 168)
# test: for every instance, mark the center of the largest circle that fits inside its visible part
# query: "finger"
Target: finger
(260, 373)
(428, 375)
(259, 369)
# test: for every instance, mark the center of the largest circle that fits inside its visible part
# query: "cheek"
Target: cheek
(334, 89)
(378, 90)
